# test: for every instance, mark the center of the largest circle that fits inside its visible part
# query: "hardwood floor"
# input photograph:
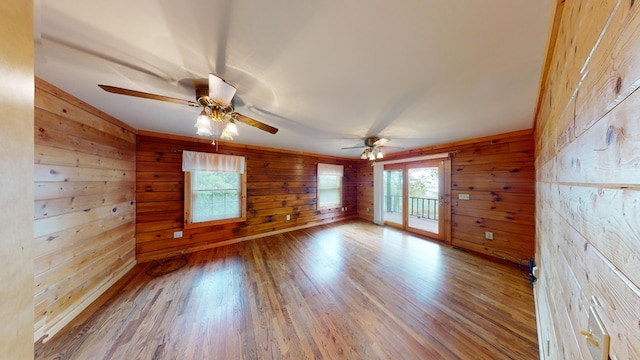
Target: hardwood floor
(347, 290)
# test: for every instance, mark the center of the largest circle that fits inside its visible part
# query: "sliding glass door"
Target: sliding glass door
(414, 197)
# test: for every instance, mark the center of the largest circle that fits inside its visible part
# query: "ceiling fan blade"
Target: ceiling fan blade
(144, 95)
(353, 147)
(255, 123)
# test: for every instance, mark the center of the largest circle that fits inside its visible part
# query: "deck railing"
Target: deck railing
(420, 207)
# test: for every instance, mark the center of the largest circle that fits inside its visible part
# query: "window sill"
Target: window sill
(214, 222)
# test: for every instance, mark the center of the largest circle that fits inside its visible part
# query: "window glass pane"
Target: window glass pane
(215, 196)
(329, 190)
(424, 194)
(328, 182)
(329, 197)
(392, 190)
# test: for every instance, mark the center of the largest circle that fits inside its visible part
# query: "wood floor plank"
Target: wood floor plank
(349, 290)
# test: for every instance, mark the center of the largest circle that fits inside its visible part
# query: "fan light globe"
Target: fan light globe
(202, 120)
(225, 135)
(203, 124)
(231, 128)
(203, 131)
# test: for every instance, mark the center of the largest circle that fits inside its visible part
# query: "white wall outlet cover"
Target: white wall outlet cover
(463, 196)
(177, 234)
(597, 337)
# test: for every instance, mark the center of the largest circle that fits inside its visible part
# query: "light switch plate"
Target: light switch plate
(600, 335)
(463, 196)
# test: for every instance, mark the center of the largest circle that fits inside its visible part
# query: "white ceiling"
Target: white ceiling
(326, 73)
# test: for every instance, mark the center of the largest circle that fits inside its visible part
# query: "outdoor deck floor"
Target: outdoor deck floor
(414, 221)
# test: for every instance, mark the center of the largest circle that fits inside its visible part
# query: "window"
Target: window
(215, 189)
(329, 186)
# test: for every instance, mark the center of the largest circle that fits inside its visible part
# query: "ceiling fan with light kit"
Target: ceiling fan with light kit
(372, 148)
(217, 103)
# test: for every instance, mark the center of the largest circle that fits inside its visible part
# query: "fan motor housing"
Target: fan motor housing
(371, 141)
(202, 96)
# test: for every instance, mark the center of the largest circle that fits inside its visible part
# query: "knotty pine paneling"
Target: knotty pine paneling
(499, 178)
(279, 183)
(16, 189)
(365, 192)
(498, 174)
(588, 187)
(84, 205)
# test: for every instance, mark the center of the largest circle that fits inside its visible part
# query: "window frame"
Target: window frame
(339, 188)
(188, 189)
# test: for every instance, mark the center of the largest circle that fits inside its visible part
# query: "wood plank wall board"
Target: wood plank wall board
(608, 152)
(588, 188)
(16, 190)
(279, 183)
(84, 205)
(498, 174)
(613, 233)
(612, 71)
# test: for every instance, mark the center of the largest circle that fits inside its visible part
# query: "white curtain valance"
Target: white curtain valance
(199, 161)
(330, 170)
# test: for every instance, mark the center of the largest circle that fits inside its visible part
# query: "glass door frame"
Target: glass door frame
(444, 194)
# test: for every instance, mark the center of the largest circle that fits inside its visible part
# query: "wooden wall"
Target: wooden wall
(16, 190)
(365, 191)
(84, 219)
(497, 173)
(279, 183)
(588, 180)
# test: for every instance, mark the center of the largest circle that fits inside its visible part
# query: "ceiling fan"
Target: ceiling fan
(372, 148)
(217, 104)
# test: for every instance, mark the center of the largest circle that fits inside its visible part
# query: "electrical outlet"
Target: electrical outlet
(288, 217)
(488, 235)
(368, 209)
(177, 234)
(463, 196)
